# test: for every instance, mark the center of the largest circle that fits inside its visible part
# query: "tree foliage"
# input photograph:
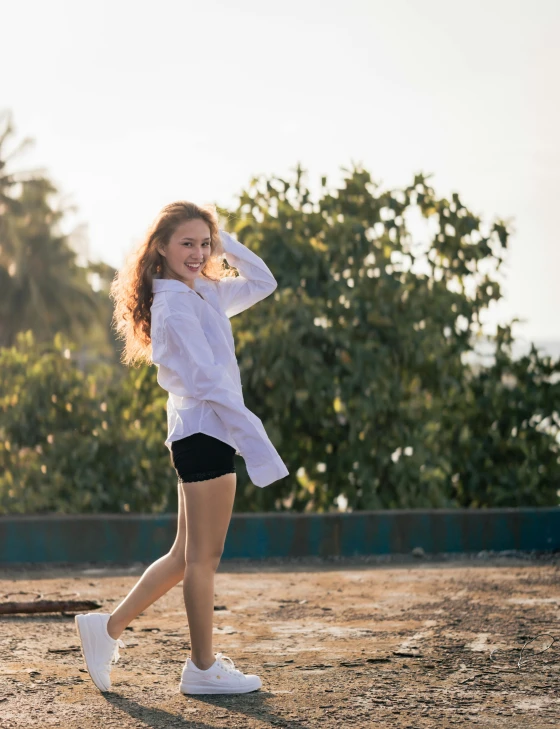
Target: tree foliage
(75, 442)
(358, 364)
(42, 287)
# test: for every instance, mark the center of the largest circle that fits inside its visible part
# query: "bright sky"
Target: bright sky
(134, 104)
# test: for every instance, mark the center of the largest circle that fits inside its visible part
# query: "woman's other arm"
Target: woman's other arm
(254, 283)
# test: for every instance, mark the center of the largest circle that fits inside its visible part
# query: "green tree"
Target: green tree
(357, 363)
(43, 290)
(502, 430)
(72, 442)
(98, 343)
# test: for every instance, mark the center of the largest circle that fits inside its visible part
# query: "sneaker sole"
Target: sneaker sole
(202, 688)
(84, 641)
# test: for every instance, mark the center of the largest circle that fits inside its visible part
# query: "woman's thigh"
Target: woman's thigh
(208, 506)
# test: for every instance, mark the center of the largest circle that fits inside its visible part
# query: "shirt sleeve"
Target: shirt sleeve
(254, 283)
(189, 355)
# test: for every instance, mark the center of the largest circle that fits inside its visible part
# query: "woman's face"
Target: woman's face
(189, 244)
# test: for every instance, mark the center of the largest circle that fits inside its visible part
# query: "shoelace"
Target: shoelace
(115, 655)
(221, 658)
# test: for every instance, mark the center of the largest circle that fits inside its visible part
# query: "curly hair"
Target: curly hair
(131, 288)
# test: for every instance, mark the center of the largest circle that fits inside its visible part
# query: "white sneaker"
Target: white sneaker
(98, 648)
(221, 678)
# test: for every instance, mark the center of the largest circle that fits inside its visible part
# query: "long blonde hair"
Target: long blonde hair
(131, 289)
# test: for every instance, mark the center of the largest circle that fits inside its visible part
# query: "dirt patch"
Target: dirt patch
(378, 642)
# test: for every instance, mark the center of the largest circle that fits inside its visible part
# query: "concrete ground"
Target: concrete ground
(400, 642)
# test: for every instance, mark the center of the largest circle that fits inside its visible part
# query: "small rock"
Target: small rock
(378, 659)
(418, 552)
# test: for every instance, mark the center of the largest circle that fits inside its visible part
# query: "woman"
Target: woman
(173, 302)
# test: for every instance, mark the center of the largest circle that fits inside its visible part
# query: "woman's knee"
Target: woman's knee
(195, 555)
(209, 559)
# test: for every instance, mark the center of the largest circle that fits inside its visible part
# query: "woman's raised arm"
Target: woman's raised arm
(254, 283)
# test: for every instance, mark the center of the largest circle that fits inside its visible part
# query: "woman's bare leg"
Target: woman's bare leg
(159, 578)
(209, 505)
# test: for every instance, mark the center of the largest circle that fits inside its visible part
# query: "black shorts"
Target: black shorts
(199, 457)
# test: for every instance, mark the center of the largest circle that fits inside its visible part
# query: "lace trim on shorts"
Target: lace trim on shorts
(205, 475)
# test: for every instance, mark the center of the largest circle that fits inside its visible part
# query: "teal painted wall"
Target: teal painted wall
(136, 537)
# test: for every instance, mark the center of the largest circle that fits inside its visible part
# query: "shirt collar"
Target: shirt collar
(172, 284)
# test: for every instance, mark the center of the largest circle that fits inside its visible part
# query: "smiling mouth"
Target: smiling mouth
(194, 267)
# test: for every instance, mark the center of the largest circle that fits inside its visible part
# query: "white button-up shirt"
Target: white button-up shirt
(193, 348)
